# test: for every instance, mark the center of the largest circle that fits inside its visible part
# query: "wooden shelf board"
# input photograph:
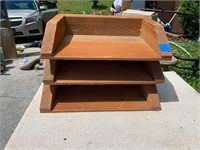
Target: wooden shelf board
(99, 98)
(102, 72)
(92, 47)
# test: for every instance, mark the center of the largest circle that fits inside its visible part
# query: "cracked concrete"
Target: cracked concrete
(17, 89)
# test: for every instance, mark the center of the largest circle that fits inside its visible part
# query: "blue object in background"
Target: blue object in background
(25, 60)
(167, 27)
(164, 47)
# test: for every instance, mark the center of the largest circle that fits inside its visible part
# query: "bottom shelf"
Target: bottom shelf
(67, 98)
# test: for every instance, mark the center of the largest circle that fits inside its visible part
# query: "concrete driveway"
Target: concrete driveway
(17, 88)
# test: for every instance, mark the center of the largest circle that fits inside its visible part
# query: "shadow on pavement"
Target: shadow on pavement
(167, 92)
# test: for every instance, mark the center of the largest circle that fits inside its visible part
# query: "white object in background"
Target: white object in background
(150, 14)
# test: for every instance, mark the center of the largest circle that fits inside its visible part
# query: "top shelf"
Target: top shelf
(91, 47)
(89, 37)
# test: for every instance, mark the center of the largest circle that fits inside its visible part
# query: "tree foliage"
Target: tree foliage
(190, 24)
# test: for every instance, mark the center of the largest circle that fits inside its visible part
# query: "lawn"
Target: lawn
(80, 6)
(192, 48)
(85, 6)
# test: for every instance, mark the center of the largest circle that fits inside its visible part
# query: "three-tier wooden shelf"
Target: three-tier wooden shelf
(97, 63)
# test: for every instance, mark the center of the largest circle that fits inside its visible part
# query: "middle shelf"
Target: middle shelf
(71, 72)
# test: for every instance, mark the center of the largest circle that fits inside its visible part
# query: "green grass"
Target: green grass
(193, 48)
(77, 7)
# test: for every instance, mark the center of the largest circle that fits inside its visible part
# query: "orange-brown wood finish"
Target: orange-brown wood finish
(54, 33)
(64, 28)
(50, 71)
(101, 98)
(48, 95)
(101, 63)
(154, 34)
(104, 73)
(84, 47)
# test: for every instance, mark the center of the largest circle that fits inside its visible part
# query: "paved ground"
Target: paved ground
(17, 89)
(175, 127)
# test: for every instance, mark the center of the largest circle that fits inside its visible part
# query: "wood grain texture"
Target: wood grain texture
(103, 98)
(105, 73)
(102, 25)
(167, 56)
(150, 93)
(48, 96)
(153, 33)
(85, 47)
(154, 69)
(62, 27)
(54, 33)
(50, 70)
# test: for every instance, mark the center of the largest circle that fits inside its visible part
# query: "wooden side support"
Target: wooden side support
(154, 69)
(48, 96)
(153, 33)
(54, 33)
(51, 67)
(151, 95)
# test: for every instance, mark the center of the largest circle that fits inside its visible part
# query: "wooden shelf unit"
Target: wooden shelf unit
(101, 63)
